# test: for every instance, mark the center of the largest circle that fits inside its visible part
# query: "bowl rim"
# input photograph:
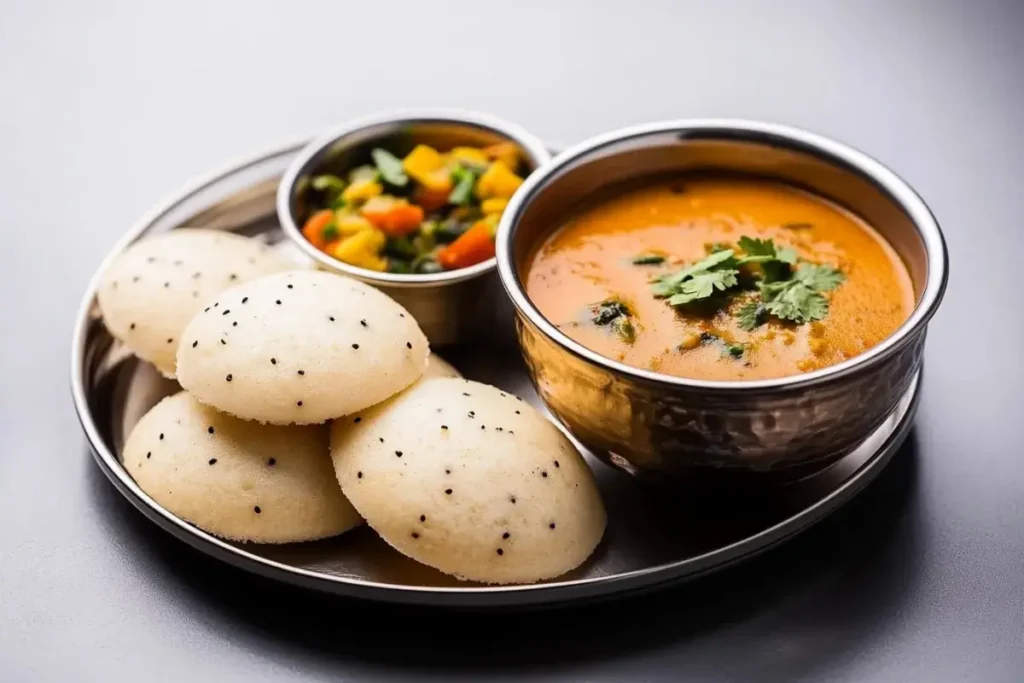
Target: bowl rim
(533, 145)
(776, 134)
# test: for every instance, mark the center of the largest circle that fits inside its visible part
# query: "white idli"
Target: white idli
(439, 367)
(152, 289)
(470, 480)
(300, 347)
(236, 479)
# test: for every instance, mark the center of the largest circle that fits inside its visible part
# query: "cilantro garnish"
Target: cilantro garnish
(821, 278)
(788, 291)
(752, 315)
(698, 281)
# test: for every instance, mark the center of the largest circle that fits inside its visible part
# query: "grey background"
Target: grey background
(107, 106)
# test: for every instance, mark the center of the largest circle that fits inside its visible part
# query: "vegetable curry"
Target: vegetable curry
(429, 212)
(720, 278)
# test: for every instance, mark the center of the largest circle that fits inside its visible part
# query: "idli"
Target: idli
(439, 367)
(236, 479)
(471, 480)
(300, 347)
(153, 288)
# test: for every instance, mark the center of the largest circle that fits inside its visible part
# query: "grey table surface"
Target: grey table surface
(106, 106)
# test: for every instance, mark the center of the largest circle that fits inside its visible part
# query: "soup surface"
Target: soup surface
(720, 279)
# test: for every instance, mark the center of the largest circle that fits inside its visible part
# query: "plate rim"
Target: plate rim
(649, 578)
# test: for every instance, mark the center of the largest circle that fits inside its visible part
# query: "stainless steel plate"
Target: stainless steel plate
(653, 538)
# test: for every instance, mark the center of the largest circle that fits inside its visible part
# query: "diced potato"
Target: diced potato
(437, 182)
(361, 249)
(361, 190)
(422, 162)
(497, 181)
(506, 152)
(349, 224)
(470, 155)
(494, 205)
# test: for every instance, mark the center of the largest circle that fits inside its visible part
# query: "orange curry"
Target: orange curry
(720, 279)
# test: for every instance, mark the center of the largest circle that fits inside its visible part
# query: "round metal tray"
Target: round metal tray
(653, 538)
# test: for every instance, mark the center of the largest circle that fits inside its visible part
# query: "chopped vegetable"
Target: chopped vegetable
(396, 217)
(349, 224)
(505, 152)
(495, 205)
(315, 227)
(431, 211)
(390, 167)
(470, 156)
(431, 199)
(330, 185)
(422, 161)
(465, 179)
(498, 181)
(474, 246)
(361, 190)
(362, 250)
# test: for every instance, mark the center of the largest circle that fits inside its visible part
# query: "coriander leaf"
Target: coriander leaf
(786, 255)
(666, 284)
(821, 278)
(330, 232)
(390, 167)
(762, 251)
(465, 179)
(753, 246)
(703, 285)
(794, 300)
(648, 260)
(751, 315)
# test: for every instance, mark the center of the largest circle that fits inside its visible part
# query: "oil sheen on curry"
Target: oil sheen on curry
(720, 279)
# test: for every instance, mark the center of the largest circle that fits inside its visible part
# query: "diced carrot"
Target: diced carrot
(430, 200)
(473, 246)
(315, 225)
(395, 218)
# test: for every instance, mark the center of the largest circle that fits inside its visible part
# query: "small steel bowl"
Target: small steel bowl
(654, 424)
(452, 307)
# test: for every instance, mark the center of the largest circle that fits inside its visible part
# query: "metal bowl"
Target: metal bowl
(451, 307)
(653, 424)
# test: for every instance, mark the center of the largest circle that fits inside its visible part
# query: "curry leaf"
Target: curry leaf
(390, 167)
(614, 314)
(648, 260)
